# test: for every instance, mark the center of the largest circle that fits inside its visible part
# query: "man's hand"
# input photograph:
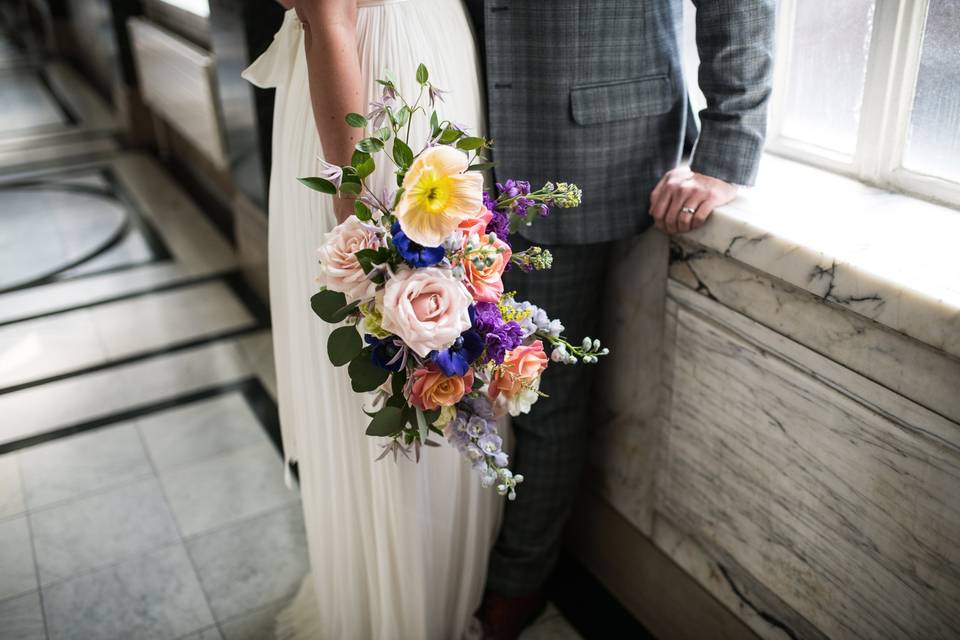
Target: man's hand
(683, 200)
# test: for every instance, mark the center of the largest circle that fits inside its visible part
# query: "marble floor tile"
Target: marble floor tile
(551, 625)
(258, 624)
(57, 296)
(170, 317)
(26, 104)
(151, 597)
(70, 467)
(226, 489)
(39, 409)
(200, 430)
(11, 489)
(17, 572)
(48, 346)
(21, 618)
(101, 529)
(211, 633)
(252, 564)
(257, 349)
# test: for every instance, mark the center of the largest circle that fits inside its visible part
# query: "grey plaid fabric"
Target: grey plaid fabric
(550, 443)
(592, 92)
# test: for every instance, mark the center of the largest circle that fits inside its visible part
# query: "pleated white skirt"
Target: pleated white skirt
(398, 550)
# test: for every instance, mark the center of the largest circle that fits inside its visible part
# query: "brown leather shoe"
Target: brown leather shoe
(504, 617)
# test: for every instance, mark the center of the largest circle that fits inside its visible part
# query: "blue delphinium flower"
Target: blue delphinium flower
(414, 254)
(386, 353)
(456, 360)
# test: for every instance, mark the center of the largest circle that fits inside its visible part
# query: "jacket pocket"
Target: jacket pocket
(622, 100)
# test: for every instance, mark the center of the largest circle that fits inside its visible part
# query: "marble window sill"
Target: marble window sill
(886, 256)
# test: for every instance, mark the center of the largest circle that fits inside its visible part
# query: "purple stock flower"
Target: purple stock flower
(498, 336)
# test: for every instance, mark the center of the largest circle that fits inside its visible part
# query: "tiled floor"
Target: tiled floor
(141, 489)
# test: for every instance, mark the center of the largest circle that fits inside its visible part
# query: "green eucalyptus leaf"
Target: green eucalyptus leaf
(471, 143)
(364, 374)
(352, 188)
(383, 133)
(319, 184)
(434, 124)
(388, 422)
(343, 345)
(370, 145)
(422, 74)
(327, 303)
(402, 154)
(449, 135)
(363, 163)
(368, 258)
(403, 115)
(397, 380)
(356, 120)
(362, 211)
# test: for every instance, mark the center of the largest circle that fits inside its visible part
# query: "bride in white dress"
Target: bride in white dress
(398, 550)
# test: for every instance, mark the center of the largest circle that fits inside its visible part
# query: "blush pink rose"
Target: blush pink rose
(477, 224)
(339, 269)
(426, 308)
(521, 368)
(431, 389)
(485, 283)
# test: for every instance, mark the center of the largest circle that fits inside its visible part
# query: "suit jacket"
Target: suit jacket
(592, 92)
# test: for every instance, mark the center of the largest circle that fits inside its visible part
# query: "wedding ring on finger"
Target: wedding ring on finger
(688, 210)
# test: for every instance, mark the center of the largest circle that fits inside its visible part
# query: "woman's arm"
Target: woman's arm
(333, 66)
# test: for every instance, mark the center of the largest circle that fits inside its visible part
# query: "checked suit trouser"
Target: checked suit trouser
(551, 441)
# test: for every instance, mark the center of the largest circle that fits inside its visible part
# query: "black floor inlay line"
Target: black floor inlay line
(131, 295)
(139, 357)
(252, 389)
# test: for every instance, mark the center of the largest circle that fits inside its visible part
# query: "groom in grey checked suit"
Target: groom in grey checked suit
(592, 92)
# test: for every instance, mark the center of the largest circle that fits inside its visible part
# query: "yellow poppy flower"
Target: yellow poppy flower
(438, 194)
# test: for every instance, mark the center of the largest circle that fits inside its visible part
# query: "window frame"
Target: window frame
(893, 64)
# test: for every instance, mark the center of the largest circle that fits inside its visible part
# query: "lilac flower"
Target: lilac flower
(378, 108)
(490, 443)
(456, 359)
(330, 172)
(498, 336)
(477, 427)
(414, 254)
(436, 95)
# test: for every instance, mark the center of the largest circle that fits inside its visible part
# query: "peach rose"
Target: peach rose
(427, 308)
(521, 369)
(484, 282)
(339, 269)
(431, 389)
(477, 224)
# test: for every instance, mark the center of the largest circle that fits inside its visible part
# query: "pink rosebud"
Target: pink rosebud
(339, 269)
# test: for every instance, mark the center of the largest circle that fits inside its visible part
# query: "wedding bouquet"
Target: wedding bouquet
(415, 275)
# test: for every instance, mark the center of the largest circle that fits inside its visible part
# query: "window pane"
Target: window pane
(933, 145)
(828, 61)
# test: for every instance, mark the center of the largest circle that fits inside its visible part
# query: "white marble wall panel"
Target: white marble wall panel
(831, 492)
(898, 362)
(627, 422)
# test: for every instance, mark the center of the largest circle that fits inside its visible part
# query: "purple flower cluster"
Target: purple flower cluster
(500, 222)
(473, 431)
(519, 189)
(498, 336)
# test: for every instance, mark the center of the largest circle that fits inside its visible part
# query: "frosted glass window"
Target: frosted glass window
(933, 143)
(828, 62)
(198, 7)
